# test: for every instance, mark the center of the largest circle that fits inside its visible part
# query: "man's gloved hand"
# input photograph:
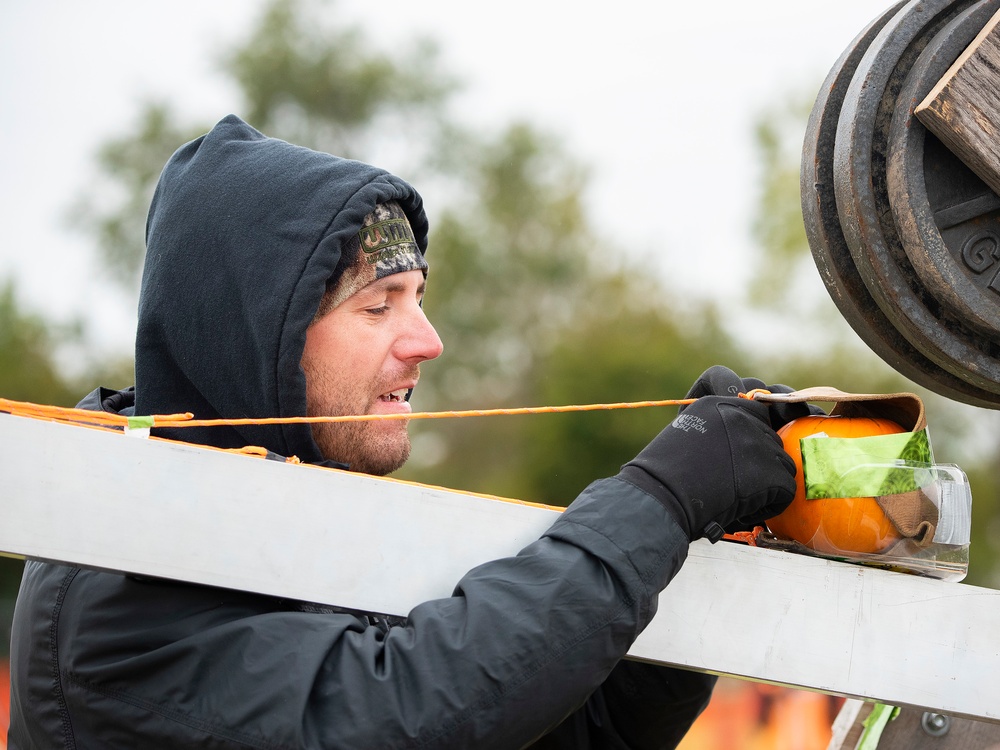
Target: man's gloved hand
(718, 464)
(721, 381)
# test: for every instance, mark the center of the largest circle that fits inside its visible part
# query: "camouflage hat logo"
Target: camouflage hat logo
(384, 245)
(386, 239)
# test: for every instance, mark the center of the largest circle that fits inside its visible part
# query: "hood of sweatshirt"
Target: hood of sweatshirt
(244, 234)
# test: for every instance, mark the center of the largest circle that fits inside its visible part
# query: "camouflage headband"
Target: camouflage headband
(383, 246)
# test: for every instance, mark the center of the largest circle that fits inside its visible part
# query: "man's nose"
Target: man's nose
(421, 341)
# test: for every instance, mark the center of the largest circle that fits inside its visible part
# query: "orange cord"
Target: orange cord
(64, 414)
(174, 421)
(76, 416)
(186, 419)
(746, 537)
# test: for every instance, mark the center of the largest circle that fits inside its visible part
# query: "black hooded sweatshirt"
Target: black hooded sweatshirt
(244, 233)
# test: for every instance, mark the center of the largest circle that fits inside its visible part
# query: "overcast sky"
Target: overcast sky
(658, 98)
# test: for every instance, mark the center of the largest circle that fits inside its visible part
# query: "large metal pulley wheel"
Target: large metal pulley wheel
(905, 236)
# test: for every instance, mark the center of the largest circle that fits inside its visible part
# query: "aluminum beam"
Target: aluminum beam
(102, 499)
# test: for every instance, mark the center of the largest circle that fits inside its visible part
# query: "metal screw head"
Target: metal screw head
(936, 725)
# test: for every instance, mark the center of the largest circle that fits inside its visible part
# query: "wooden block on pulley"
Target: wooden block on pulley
(963, 109)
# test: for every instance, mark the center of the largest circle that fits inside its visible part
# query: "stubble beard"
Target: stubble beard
(377, 447)
(364, 446)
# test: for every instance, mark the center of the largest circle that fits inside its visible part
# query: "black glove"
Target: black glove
(718, 464)
(721, 381)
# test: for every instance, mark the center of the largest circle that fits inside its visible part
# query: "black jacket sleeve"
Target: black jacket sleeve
(103, 660)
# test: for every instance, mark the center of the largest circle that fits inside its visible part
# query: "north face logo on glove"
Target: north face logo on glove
(690, 423)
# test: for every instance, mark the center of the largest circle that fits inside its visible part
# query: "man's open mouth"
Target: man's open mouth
(394, 396)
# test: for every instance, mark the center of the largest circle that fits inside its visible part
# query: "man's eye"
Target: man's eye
(380, 310)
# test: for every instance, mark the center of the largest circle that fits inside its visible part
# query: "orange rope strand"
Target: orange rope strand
(66, 414)
(63, 414)
(746, 537)
(172, 422)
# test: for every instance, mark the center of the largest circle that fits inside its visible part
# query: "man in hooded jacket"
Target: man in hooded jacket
(280, 281)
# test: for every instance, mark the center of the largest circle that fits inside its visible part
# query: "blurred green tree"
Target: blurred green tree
(114, 206)
(303, 77)
(327, 86)
(28, 367)
(640, 352)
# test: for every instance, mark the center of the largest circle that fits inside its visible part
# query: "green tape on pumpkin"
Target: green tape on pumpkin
(863, 466)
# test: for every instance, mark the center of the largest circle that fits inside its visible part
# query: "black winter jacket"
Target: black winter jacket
(243, 233)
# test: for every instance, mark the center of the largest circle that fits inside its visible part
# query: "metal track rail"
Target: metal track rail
(101, 499)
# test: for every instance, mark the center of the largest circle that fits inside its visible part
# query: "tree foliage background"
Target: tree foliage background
(534, 305)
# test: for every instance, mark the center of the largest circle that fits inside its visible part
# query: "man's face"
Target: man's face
(361, 358)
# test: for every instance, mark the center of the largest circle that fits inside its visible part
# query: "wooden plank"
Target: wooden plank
(963, 109)
(105, 500)
(907, 732)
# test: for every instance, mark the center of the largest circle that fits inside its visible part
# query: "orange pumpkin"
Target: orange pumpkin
(833, 525)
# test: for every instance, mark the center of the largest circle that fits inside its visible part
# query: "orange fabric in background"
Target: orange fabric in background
(753, 716)
(4, 702)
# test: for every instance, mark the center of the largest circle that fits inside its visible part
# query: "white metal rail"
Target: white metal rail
(100, 499)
